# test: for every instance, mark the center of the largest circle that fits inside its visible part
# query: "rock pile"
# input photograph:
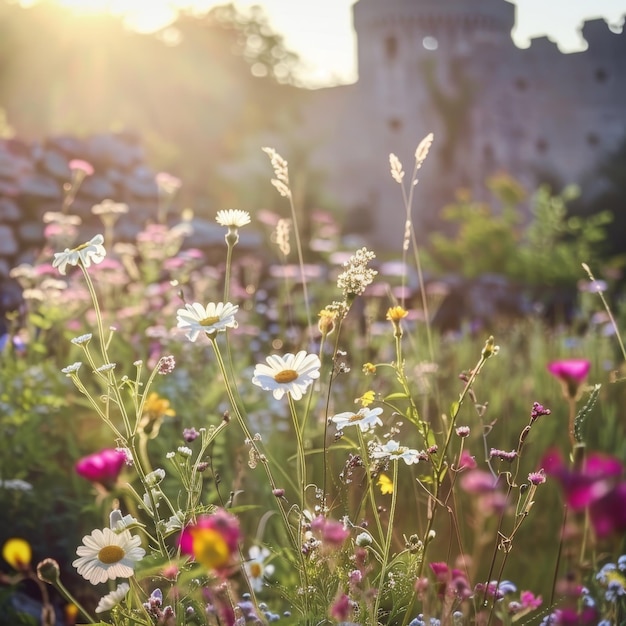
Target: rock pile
(32, 179)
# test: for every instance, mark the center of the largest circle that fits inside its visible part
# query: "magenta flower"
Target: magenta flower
(528, 600)
(341, 608)
(101, 467)
(597, 486)
(333, 533)
(572, 373)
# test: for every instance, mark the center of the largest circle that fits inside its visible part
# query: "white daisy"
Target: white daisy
(287, 374)
(87, 253)
(106, 555)
(256, 568)
(113, 599)
(393, 450)
(196, 319)
(364, 419)
(233, 218)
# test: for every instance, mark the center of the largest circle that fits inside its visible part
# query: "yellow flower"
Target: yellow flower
(17, 553)
(156, 406)
(155, 409)
(396, 313)
(385, 483)
(367, 398)
(369, 368)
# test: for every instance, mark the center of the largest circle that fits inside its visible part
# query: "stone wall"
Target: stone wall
(32, 179)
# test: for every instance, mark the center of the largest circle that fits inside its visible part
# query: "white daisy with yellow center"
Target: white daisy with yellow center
(256, 568)
(365, 419)
(393, 451)
(292, 373)
(210, 319)
(87, 253)
(106, 555)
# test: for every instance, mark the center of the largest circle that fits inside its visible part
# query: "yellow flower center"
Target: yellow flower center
(210, 548)
(286, 376)
(81, 247)
(209, 321)
(256, 569)
(355, 417)
(111, 554)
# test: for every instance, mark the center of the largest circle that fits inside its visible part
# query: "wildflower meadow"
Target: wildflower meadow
(195, 443)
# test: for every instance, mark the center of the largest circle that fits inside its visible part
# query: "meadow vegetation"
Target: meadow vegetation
(255, 441)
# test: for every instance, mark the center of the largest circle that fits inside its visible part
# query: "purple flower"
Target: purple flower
(598, 486)
(101, 467)
(190, 434)
(572, 373)
(537, 478)
(537, 411)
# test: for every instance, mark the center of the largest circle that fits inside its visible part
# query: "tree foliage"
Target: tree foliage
(188, 91)
(494, 237)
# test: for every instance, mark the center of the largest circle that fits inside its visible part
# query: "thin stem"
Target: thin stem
(388, 538)
(299, 451)
(72, 600)
(301, 264)
(370, 489)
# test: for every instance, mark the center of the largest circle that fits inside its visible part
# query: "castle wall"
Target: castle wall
(450, 67)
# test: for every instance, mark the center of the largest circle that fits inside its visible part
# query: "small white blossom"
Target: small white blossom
(87, 253)
(175, 522)
(365, 419)
(185, 451)
(107, 367)
(357, 276)
(82, 339)
(15, 484)
(393, 450)
(72, 369)
(155, 477)
(113, 598)
(233, 218)
(196, 318)
(256, 568)
(117, 522)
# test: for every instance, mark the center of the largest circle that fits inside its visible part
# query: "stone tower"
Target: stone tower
(450, 67)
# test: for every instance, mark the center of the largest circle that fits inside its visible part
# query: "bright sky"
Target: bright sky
(320, 31)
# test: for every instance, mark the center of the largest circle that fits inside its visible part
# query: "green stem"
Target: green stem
(301, 458)
(388, 538)
(72, 600)
(246, 431)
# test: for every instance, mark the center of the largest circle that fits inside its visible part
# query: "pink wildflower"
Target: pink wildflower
(101, 467)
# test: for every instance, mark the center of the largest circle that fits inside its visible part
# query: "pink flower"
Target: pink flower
(341, 608)
(467, 461)
(332, 533)
(572, 373)
(78, 165)
(597, 486)
(529, 600)
(101, 467)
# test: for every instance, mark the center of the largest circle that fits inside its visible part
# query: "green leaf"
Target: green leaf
(396, 396)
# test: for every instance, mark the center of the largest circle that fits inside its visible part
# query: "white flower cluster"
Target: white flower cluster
(357, 276)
